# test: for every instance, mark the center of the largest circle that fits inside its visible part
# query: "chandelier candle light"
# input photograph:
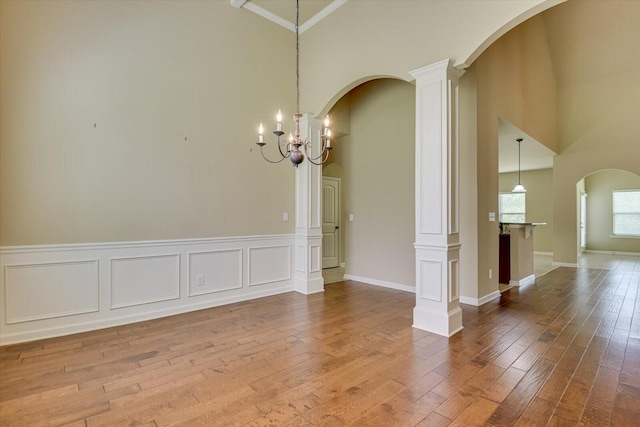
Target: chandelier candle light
(291, 148)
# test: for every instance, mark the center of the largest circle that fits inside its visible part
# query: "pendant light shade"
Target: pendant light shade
(519, 188)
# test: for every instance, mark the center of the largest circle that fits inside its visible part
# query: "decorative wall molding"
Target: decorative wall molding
(131, 277)
(216, 269)
(265, 264)
(54, 290)
(63, 288)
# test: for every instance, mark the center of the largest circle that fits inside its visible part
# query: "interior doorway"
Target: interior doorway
(331, 188)
(583, 222)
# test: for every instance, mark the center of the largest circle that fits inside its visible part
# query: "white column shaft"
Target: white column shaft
(308, 253)
(437, 200)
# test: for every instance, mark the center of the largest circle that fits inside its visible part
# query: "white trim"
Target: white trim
(524, 281)
(321, 15)
(382, 283)
(149, 303)
(137, 244)
(624, 236)
(291, 26)
(276, 19)
(78, 327)
(543, 253)
(564, 264)
(479, 301)
(591, 251)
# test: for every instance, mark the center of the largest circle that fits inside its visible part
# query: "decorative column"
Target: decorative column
(308, 252)
(437, 173)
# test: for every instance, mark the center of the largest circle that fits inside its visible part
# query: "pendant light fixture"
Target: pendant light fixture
(519, 188)
(291, 147)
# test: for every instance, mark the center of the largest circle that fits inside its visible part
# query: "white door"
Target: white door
(583, 222)
(330, 221)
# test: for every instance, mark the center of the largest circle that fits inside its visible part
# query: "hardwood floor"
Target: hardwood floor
(564, 351)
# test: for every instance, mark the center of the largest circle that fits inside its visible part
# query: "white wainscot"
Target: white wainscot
(55, 290)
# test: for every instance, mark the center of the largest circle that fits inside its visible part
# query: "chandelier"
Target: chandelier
(295, 147)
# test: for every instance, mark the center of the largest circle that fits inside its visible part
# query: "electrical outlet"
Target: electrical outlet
(490, 273)
(492, 216)
(285, 216)
(200, 280)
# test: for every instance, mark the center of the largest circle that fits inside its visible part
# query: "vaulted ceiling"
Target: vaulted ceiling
(587, 40)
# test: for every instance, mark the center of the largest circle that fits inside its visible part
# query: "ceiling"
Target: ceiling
(582, 42)
(283, 12)
(533, 155)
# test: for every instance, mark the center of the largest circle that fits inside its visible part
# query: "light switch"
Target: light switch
(492, 216)
(350, 217)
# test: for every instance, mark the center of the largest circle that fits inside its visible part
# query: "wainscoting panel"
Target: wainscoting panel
(215, 271)
(54, 290)
(62, 289)
(265, 264)
(144, 280)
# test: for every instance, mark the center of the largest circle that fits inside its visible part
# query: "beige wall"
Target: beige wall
(137, 120)
(608, 140)
(468, 184)
(599, 188)
(539, 203)
(515, 81)
(377, 161)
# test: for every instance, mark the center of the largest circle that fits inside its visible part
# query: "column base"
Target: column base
(309, 285)
(445, 324)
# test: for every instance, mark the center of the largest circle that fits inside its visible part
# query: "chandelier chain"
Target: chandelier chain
(297, 59)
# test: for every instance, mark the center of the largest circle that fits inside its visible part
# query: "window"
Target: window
(626, 212)
(512, 207)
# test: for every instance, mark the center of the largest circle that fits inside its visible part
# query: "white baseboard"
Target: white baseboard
(55, 290)
(564, 264)
(382, 283)
(524, 281)
(543, 253)
(343, 264)
(592, 251)
(479, 301)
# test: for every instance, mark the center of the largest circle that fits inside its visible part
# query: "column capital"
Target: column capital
(436, 69)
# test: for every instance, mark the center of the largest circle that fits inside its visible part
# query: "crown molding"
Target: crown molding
(277, 19)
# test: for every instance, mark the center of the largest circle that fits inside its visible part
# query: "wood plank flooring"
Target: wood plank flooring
(564, 351)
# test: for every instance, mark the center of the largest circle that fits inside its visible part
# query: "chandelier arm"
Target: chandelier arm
(322, 153)
(272, 161)
(323, 161)
(280, 149)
